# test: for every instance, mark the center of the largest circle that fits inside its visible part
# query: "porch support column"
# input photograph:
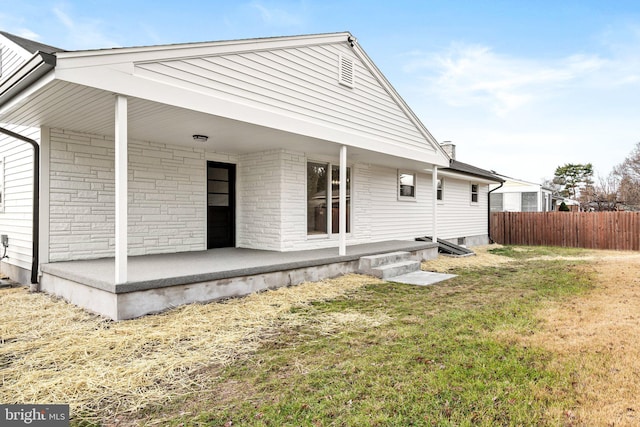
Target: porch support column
(343, 201)
(434, 206)
(121, 177)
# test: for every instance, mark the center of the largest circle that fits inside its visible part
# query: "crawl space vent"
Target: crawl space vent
(346, 71)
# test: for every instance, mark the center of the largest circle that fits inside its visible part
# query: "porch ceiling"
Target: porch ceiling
(83, 109)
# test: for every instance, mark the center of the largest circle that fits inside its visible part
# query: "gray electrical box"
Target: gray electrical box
(4, 239)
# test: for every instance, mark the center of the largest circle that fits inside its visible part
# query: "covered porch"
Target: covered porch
(140, 163)
(162, 281)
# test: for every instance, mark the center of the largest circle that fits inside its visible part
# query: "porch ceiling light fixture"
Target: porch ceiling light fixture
(200, 138)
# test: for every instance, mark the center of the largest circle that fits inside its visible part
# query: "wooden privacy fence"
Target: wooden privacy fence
(595, 230)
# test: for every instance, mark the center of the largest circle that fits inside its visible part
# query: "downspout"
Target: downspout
(35, 202)
(489, 211)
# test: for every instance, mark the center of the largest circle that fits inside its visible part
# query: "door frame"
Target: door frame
(232, 168)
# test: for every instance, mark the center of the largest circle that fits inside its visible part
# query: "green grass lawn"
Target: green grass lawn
(413, 356)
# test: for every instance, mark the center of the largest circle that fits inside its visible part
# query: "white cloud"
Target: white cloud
(475, 75)
(27, 34)
(525, 115)
(278, 16)
(82, 33)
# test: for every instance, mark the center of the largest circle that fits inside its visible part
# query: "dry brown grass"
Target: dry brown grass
(53, 352)
(599, 334)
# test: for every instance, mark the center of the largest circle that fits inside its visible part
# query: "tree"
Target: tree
(604, 195)
(627, 174)
(571, 176)
(563, 207)
(553, 186)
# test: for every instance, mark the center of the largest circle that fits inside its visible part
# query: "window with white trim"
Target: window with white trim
(474, 193)
(323, 199)
(406, 185)
(440, 190)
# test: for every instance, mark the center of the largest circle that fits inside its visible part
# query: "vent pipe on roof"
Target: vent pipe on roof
(449, 148)
(35, 202)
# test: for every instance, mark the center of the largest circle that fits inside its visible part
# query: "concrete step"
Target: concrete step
(395, 269)
(368, 263)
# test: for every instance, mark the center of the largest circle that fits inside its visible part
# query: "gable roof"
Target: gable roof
(468, 169)
(287, 86)
(30, 45)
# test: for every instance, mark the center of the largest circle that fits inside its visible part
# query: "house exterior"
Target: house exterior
(277, 144)
(463, 201)
(516, 195)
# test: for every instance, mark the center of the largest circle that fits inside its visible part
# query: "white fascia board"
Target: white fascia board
(119, 80)
(137, 55)
(465, 177)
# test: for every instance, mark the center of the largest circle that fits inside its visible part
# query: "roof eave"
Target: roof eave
(470, 174)
(32, 70)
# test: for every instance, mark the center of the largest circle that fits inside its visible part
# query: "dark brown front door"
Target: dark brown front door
(221, 205)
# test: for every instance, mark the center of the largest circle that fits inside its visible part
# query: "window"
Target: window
(440, 191)
(323, 190)
(529, 202)
(496, 202)
(406, 185)
(1, 185)
(474, 193)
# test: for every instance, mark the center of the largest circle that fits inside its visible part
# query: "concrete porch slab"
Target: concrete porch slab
(421, 278)
(165, 270)
(159, 282)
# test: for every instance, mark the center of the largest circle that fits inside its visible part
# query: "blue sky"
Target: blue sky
(519, 86)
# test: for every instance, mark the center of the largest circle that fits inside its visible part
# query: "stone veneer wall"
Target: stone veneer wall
(272, 203)
(167, 211)
(259, 190)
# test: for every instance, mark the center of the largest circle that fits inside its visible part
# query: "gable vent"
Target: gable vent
(346, 71)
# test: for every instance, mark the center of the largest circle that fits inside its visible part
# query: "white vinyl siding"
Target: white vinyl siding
(15, 220)
(457, 217)
(1, 184)
(11, 58)
(392, 219)
(377, 214)
(300, 83)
